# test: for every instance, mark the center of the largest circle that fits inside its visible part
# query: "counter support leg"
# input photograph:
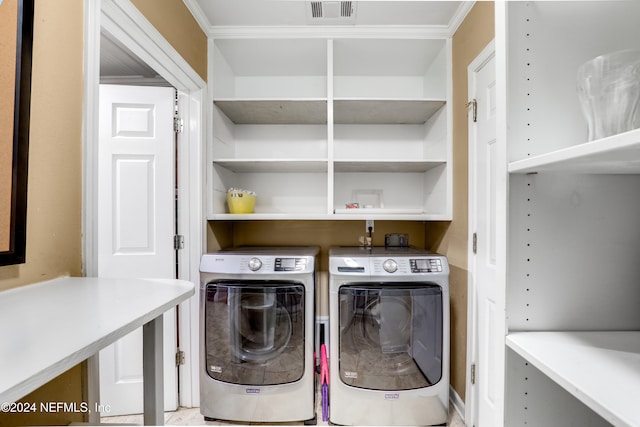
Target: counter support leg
(152, 372)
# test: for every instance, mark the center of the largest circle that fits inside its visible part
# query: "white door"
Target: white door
(486, 314)
(136, 225)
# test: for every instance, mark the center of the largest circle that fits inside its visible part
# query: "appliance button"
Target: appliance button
(255, 264)
(390, 266)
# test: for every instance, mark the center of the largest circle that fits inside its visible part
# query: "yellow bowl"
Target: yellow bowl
(240, 202)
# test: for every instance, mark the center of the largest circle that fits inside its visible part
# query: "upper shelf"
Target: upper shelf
(618, 154)
(274, 111)
(314, 111)
(389, 165)
(384, 111)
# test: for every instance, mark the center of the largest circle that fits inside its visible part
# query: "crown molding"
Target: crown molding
(462, 12)
(330, 31)
(200, 17)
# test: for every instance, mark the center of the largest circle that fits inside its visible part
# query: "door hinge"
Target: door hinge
(475, 243)
(473, 373)
(178, 242)
(180, 357)
(473, 104)
(178, 124)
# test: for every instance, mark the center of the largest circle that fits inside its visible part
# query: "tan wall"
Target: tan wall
(450, 239)
(54, 201)
(168, 16)
(54, 206)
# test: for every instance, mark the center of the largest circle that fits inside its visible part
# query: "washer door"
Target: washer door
(390, 335)
(254, 332)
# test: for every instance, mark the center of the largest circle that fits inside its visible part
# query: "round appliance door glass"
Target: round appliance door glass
(254, 332)
(390, 335)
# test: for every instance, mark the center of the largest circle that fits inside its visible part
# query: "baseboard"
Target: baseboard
(456, 402)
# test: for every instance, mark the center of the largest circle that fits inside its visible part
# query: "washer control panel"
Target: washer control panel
(290, 264)
(426, 265)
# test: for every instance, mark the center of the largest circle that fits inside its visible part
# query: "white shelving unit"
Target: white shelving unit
(573, 281)
(311, 125)
(565, 357)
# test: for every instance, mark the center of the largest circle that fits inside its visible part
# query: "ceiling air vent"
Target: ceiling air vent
(332, 12)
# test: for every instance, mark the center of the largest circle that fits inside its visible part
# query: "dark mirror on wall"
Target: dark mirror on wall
(16, 40)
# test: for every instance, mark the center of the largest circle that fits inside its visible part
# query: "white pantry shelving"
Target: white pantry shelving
(573, 360)
(572, 279)
(311, 124)
(618, 154)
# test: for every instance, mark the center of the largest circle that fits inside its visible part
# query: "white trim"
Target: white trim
(90, 133)
(126, 24)
(457, 403)
(91, 54)
(192, 226)
(471, 398)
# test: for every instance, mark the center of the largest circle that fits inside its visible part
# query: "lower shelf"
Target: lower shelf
(601, 369)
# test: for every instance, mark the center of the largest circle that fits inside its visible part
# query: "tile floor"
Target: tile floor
(192, 417)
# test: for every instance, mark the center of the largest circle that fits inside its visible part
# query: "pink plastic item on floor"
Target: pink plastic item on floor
(324, 380)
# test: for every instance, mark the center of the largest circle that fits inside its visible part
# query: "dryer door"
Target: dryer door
(254, 332)
(391, 335)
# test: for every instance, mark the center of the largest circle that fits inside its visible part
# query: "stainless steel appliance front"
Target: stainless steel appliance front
(257, 324)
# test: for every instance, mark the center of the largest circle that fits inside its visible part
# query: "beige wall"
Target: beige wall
(54, 206)
(55, 177)
(450, 239)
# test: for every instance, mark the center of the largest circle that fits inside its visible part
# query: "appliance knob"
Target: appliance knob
(390, 266)
(255, 264)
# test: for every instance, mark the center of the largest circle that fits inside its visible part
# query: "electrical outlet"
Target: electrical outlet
(369, 224)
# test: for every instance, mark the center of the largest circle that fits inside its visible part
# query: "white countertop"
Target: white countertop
(49, 327)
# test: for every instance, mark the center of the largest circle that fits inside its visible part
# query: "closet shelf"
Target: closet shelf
(274, 111)
(617, 154)
(385, 165)
(601, 369)
(314, 110)
(273, 165)
(340, 214)
(384, 111)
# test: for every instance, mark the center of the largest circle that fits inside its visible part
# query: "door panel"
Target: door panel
(493, 342)
(133, 221)
(488, 328)
(136, 225)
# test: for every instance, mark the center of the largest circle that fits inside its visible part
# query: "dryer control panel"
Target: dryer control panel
(426, 265)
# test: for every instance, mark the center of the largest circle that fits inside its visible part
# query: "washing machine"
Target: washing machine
(389, 336)
(257, 334)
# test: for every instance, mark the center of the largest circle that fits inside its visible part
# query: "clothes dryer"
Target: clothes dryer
(257, 334)
(389, 336)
